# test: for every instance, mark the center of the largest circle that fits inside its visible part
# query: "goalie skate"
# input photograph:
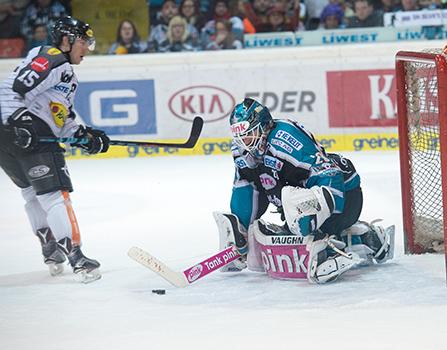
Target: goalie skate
(231, 233)
(376, 243)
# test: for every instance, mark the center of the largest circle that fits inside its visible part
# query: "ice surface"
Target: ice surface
(164, 205)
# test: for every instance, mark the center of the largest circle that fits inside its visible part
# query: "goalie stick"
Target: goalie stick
(196, 129)
(190, 275)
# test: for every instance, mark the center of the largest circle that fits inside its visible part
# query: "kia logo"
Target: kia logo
(210, 102)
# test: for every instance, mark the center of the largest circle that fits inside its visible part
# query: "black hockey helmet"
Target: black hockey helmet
(72, 28)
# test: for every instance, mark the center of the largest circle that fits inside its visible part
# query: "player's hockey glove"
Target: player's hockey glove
(20, 130)
(97, 140)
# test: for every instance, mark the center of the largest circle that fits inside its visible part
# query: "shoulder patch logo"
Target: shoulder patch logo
(285, 136)
(273, 163)
(59, 113)
(282, 144)
(53, 51)
(40, 64)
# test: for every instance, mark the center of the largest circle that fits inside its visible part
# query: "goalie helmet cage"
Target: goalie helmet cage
(421, 80)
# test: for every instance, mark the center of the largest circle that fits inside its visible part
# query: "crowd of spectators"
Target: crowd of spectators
(193, 25)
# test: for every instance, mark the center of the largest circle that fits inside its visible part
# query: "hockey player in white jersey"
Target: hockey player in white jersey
(36, 100)
(318, 194)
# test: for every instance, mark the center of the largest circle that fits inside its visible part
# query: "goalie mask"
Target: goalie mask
(250, 123)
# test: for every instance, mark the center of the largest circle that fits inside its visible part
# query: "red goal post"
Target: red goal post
(421, 81)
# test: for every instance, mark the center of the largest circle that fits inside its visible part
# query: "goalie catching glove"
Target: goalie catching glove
(97, 140)
(306, 209)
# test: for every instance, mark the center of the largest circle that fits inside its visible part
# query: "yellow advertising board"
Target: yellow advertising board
(215, 146)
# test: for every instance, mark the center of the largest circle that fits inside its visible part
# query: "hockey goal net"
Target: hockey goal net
(422, 120)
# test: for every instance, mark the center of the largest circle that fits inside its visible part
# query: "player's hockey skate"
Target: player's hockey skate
(231, 233)
(371, 242)
(85, 268)
(52, 255)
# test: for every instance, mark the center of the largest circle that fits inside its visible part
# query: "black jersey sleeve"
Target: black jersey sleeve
(38, 70)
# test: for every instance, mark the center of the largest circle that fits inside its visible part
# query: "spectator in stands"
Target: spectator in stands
(40, 36)
(159, 29)
(332, 17)
(408, 5)
(295, 12)
(256, 13)
(45, 12)
(221, 11)
(178, 38)
(154, 9)
(190, 11)
(365, 15)
(385, 5)
(237, 9)
(223, 39)
(10, 13)
(127, 40)
(314, 9)
(278, 21)
(430, 4)
(67, 5)
(346, 6)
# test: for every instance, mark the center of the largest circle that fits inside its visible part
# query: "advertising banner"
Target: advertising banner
(362, 98)
(409, 32)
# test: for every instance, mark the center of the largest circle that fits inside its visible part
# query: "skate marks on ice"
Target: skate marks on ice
(43, 277)
(34, 278)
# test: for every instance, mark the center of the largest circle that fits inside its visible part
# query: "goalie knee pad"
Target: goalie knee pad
(232, 233)
(306, 209)
(371, 242)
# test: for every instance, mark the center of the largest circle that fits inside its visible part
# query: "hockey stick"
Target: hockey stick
(190, 275)
(196, 129)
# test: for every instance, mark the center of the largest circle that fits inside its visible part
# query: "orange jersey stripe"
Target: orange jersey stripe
(75, 234)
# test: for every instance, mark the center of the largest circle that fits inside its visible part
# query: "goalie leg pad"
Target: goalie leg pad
(306, 209)
(254, 257)
(279, 253)
(232, 233)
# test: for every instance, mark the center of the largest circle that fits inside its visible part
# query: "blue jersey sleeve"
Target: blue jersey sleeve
(294, 145)
(247, 203)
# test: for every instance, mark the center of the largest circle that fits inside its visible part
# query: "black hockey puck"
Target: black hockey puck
(159, 291)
